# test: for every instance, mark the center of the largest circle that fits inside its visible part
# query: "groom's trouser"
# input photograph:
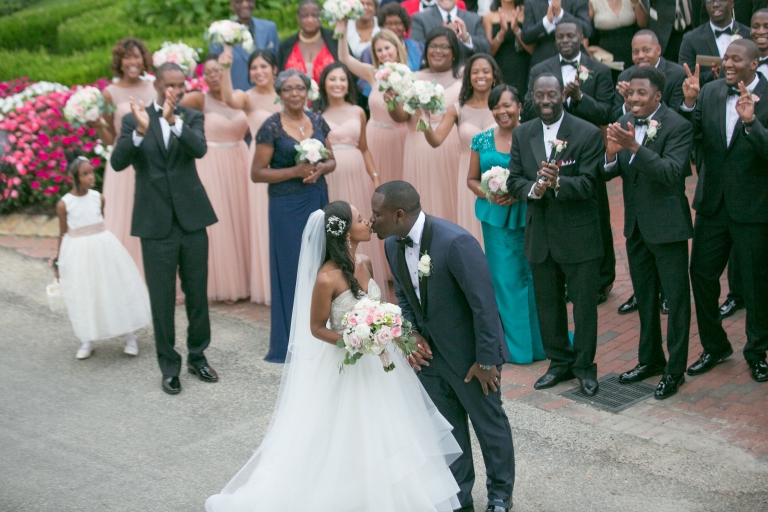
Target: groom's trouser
(187, 253)
(459, 401)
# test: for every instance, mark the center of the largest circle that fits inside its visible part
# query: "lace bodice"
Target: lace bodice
(346, 301)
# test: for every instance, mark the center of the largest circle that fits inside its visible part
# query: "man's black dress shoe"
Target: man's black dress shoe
(206, 373)
(549, 380)
(759, 369)
(668, 385)
(628, 307)
(664, 306)
(601, 298)
(171, 385)
(730, 306)
(496, 508)
(640, 372)
(589, 387)
(707, 361)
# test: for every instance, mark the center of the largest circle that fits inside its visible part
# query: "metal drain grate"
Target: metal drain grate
(613, 396)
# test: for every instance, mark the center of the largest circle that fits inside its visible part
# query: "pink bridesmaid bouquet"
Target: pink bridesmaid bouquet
(494, 182)
(86, 106)
(337, 10)
(426, 96)
(395, 76)
(311, 150)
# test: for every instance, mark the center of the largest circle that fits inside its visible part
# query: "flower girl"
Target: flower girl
(101, 286)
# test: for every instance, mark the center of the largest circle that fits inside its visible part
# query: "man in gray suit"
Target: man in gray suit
(467, 25)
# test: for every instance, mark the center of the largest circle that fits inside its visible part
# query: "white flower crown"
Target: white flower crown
(335, 226)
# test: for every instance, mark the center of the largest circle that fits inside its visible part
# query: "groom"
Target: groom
(443, 286)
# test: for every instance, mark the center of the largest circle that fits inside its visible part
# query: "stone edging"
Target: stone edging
(17, 224)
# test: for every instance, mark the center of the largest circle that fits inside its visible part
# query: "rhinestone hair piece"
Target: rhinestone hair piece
(335, 226)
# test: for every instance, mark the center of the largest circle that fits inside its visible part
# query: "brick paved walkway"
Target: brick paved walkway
(724, 406)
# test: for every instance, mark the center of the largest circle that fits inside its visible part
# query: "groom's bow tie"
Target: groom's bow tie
(763, 61)
(572, 63)
(726, 30)
(402, 242)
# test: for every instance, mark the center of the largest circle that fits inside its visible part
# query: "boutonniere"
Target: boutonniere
(557, 146)
(425, 265)
(653, 128)
(736, 35)
(584, 74)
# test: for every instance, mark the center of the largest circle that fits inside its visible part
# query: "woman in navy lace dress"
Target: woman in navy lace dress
(295, 191)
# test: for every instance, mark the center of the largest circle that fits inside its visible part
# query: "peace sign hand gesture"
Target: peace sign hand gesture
(745, 105)
(691, 86)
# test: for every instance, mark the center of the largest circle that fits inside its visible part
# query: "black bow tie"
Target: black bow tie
(726, 30)
(734, 91)
(641, 122)
(763, 62)
(405, 241)
(574, 63)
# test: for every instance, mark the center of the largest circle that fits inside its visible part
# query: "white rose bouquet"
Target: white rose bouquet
(337, 10)
(177, 53)
(86, 106)
(494, 182)
(311, 150)
(427, 96)
(395, 76)
(230, 33)
(314, 91)
(369, 327)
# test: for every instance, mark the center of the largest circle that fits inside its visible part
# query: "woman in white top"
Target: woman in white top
(616, 22)
(360, 32)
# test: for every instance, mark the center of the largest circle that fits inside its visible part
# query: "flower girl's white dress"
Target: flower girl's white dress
(362, 440)
(102, 288)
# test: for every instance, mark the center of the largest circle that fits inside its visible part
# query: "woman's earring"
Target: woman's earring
(349, 243)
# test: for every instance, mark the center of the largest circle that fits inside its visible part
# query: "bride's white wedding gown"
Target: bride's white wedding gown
(362, 440)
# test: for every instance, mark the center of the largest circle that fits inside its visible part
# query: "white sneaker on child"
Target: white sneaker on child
(85, 351)
(131, 348)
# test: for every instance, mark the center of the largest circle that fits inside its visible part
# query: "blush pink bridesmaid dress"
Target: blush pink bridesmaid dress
(386, 139)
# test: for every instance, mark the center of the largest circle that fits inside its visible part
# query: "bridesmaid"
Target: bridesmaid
(472, 116)
(355, 177)
(434, 172)
(258, 103)
(295, 191)
(130, 60)
(224, 174)
(503, 222)
(387, 139)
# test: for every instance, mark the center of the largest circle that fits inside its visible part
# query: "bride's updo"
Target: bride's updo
(338, 220)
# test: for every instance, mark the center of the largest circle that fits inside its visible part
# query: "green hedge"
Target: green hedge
(10, 6)
(79, 68)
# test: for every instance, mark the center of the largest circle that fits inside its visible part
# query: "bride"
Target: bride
(360, 440)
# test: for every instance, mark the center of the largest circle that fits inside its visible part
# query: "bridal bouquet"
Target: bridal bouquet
(427, 96)
(311, 150)
(230, 33)
(86, 106)
(369, 327)
(337, 10)
(494, 182)
(395, 76)
(177, 53)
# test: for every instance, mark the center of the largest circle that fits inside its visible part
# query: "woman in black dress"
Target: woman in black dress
(502, 26)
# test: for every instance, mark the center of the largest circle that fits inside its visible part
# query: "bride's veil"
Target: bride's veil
(302, 348)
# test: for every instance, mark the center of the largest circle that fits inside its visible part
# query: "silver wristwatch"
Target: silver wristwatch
(486, 368)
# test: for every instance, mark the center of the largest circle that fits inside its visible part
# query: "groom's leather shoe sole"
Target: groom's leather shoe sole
(171, 385)
(549, 380)
(205, 373)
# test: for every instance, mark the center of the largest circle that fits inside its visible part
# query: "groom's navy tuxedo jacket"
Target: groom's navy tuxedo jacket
(457, 313)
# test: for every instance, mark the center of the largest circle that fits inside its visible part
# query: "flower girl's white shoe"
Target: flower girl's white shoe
(131, 348)
(85, 351)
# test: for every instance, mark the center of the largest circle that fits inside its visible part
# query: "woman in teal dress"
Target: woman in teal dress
(503, 222)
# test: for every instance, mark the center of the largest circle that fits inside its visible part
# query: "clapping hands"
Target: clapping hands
(142, 118)
(619, 138)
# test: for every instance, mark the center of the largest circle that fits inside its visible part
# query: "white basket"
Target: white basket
(55, 299)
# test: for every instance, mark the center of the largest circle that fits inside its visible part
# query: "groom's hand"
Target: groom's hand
(488, 378)
(423, 353)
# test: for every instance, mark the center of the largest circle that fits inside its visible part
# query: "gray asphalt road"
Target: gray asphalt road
(100, 435)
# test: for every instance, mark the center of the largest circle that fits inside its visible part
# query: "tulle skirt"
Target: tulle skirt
(465, 201)
(358, 441)
(104, 292)
(387, 144)
(118, 191)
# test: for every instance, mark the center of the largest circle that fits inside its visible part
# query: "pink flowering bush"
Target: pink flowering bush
(15, 86)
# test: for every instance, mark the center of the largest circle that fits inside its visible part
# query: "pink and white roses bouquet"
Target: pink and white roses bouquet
(85, 106)
(311, 150)
(369, 327)
(426, 96)
(395, 76)
(230, 33)
(177, 53)
(494, 182)
(337, 10)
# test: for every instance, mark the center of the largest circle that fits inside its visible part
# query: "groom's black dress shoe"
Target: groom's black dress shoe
(549, 380)
(628, 307)
(707, 361)
(206, 373)
(589, 387)
(602, 297)
(640, 372)
(730, 306)
(171, 385)
(759, 369)
(669, 385)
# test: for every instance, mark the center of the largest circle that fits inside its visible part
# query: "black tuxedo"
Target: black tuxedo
(170, 213)
(731, 204)
(562, 237)
(534, 32)
(657, 226)
(701, 41)
(672, 95)
(286, 46)
(423, 22)
(458, 316)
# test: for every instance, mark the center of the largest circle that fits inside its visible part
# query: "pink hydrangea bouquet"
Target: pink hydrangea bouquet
(85, 106)
(177, 53)
(337, 10)
(311, 150)
(395, 76)
(494, 182)
(427, 96)
(369, 327)
(230, 33)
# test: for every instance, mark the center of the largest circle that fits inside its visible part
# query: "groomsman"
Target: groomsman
(467, 26)
(543, 16)
(712, 38)
(649, 147)
(731, 202)
(588, 89)
(555, 166)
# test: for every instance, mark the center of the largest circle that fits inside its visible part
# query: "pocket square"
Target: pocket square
(563, 163)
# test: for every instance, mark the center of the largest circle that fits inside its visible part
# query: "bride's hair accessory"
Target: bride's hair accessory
(335, 226)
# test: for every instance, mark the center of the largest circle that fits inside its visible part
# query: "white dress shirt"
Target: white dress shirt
(550, 134)
(167, 129)
(454, 14)
(763, 68)
(412, 253)
(570, 73)
(723, 40)
(639, 136)
(550, 26)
